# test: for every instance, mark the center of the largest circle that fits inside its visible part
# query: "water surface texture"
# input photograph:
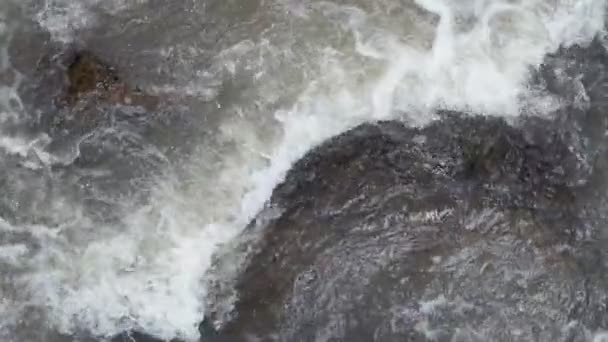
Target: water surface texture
(123, 209)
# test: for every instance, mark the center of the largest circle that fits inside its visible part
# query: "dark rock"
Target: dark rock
(207, 330)
(579, 77)
(479, 228)
(138, 337)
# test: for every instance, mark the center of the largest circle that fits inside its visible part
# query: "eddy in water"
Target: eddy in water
(302, 170)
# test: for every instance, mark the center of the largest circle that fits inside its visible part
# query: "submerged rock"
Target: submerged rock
(88, 75)
(91, 98)
(72, 92)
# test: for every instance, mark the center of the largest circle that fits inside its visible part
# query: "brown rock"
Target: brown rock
(88, 74)
(88, 77)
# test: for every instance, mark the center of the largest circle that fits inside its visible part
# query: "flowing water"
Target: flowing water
(115, 229)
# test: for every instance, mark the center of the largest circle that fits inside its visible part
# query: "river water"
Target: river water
(115, 229)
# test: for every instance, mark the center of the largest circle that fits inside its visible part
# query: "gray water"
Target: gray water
(113, 227)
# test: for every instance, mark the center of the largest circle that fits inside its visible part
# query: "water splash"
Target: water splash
(306, 72)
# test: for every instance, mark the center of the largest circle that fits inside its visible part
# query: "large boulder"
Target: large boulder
(469, 229)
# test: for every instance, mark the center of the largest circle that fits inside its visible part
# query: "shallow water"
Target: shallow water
(114, 229)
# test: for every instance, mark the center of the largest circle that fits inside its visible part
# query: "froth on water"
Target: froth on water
(250, 86)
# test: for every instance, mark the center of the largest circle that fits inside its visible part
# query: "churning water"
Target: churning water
(249, 87)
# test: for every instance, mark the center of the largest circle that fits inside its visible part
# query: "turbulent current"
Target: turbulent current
(142, 205)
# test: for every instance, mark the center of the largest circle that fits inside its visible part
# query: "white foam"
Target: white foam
(601, 336)
(11, 254)
(431, 306)
(484, 68)
(148, 273)
(65, 18)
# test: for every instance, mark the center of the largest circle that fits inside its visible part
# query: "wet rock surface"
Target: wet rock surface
(390, 233)
(470, 229)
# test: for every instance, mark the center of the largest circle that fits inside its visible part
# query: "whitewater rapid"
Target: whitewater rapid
(276, 79)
